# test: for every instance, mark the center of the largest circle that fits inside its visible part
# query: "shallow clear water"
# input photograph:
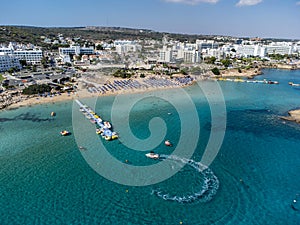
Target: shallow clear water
(45, 179)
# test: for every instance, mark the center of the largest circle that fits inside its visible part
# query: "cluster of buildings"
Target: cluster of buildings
(195, 52)
(165, 51)
(11, 55)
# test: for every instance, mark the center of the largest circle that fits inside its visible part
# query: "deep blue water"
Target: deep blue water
(45, 178)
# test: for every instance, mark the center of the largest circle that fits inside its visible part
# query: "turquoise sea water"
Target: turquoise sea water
(44, 178)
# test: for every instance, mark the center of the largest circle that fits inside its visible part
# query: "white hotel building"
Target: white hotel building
(8, 61)
(30, 56)
(250, 50)
(165, 55)
(76, 50)
(125, 46)
(10, 56)
(280, 48)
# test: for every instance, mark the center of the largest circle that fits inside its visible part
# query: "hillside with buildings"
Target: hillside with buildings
(54, 56)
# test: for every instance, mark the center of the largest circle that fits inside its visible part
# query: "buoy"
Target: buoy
(53, 114)
(180, 222)
(126, 190)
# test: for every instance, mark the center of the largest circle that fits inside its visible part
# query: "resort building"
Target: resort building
(200, 45)
(31, 55)
(76, 50)
(251, 50)
(280, 48)
(191, 56)
(62, 59)
(125, 46)
(165, 55)
(218, 53)
(8, 61)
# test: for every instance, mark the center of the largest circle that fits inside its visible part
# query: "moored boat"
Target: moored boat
(107, 124)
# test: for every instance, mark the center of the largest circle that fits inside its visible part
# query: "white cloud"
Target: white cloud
(192, 2)
(248, 2)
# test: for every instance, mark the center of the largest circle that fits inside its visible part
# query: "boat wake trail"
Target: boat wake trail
(208, 186)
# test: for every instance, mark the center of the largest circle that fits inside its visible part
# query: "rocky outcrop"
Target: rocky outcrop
(7, 99)
(294, 115)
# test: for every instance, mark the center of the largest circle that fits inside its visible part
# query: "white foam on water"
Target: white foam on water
(205, 193)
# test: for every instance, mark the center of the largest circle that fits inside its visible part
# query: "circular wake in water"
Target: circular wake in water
(204, 193)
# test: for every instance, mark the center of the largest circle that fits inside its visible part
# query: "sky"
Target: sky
(239, 18)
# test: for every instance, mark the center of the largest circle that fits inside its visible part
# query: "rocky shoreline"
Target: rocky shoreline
(294, 115)
(11, 98)
(248, 73)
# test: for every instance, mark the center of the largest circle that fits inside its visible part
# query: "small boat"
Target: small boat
(98, 131)
(65, 133)
(107, 138)
(168, 143)
(295, 85)
(295, 203)
(114, 136)
(107, 124)
(152, 155)
(99, 120)
(273, 82)
(82, 148)
(53, 114)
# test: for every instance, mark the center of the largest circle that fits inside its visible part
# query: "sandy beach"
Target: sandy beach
(82, 93)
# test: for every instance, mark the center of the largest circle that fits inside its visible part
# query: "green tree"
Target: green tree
(23, 63)
(45, 62)
(36, 89)
(11, 70)
(99, 47)
(225, 62)
(34, 68)
(184, 71)
(211, 60)
(216, 71)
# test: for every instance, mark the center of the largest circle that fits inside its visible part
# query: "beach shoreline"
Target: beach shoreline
(28, 101)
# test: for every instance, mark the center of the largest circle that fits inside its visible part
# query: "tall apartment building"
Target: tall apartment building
(191, 56)
(165, 55)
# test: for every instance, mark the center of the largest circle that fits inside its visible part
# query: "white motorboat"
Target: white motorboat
(152, 155)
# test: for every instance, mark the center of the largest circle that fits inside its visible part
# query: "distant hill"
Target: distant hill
(29, 34)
